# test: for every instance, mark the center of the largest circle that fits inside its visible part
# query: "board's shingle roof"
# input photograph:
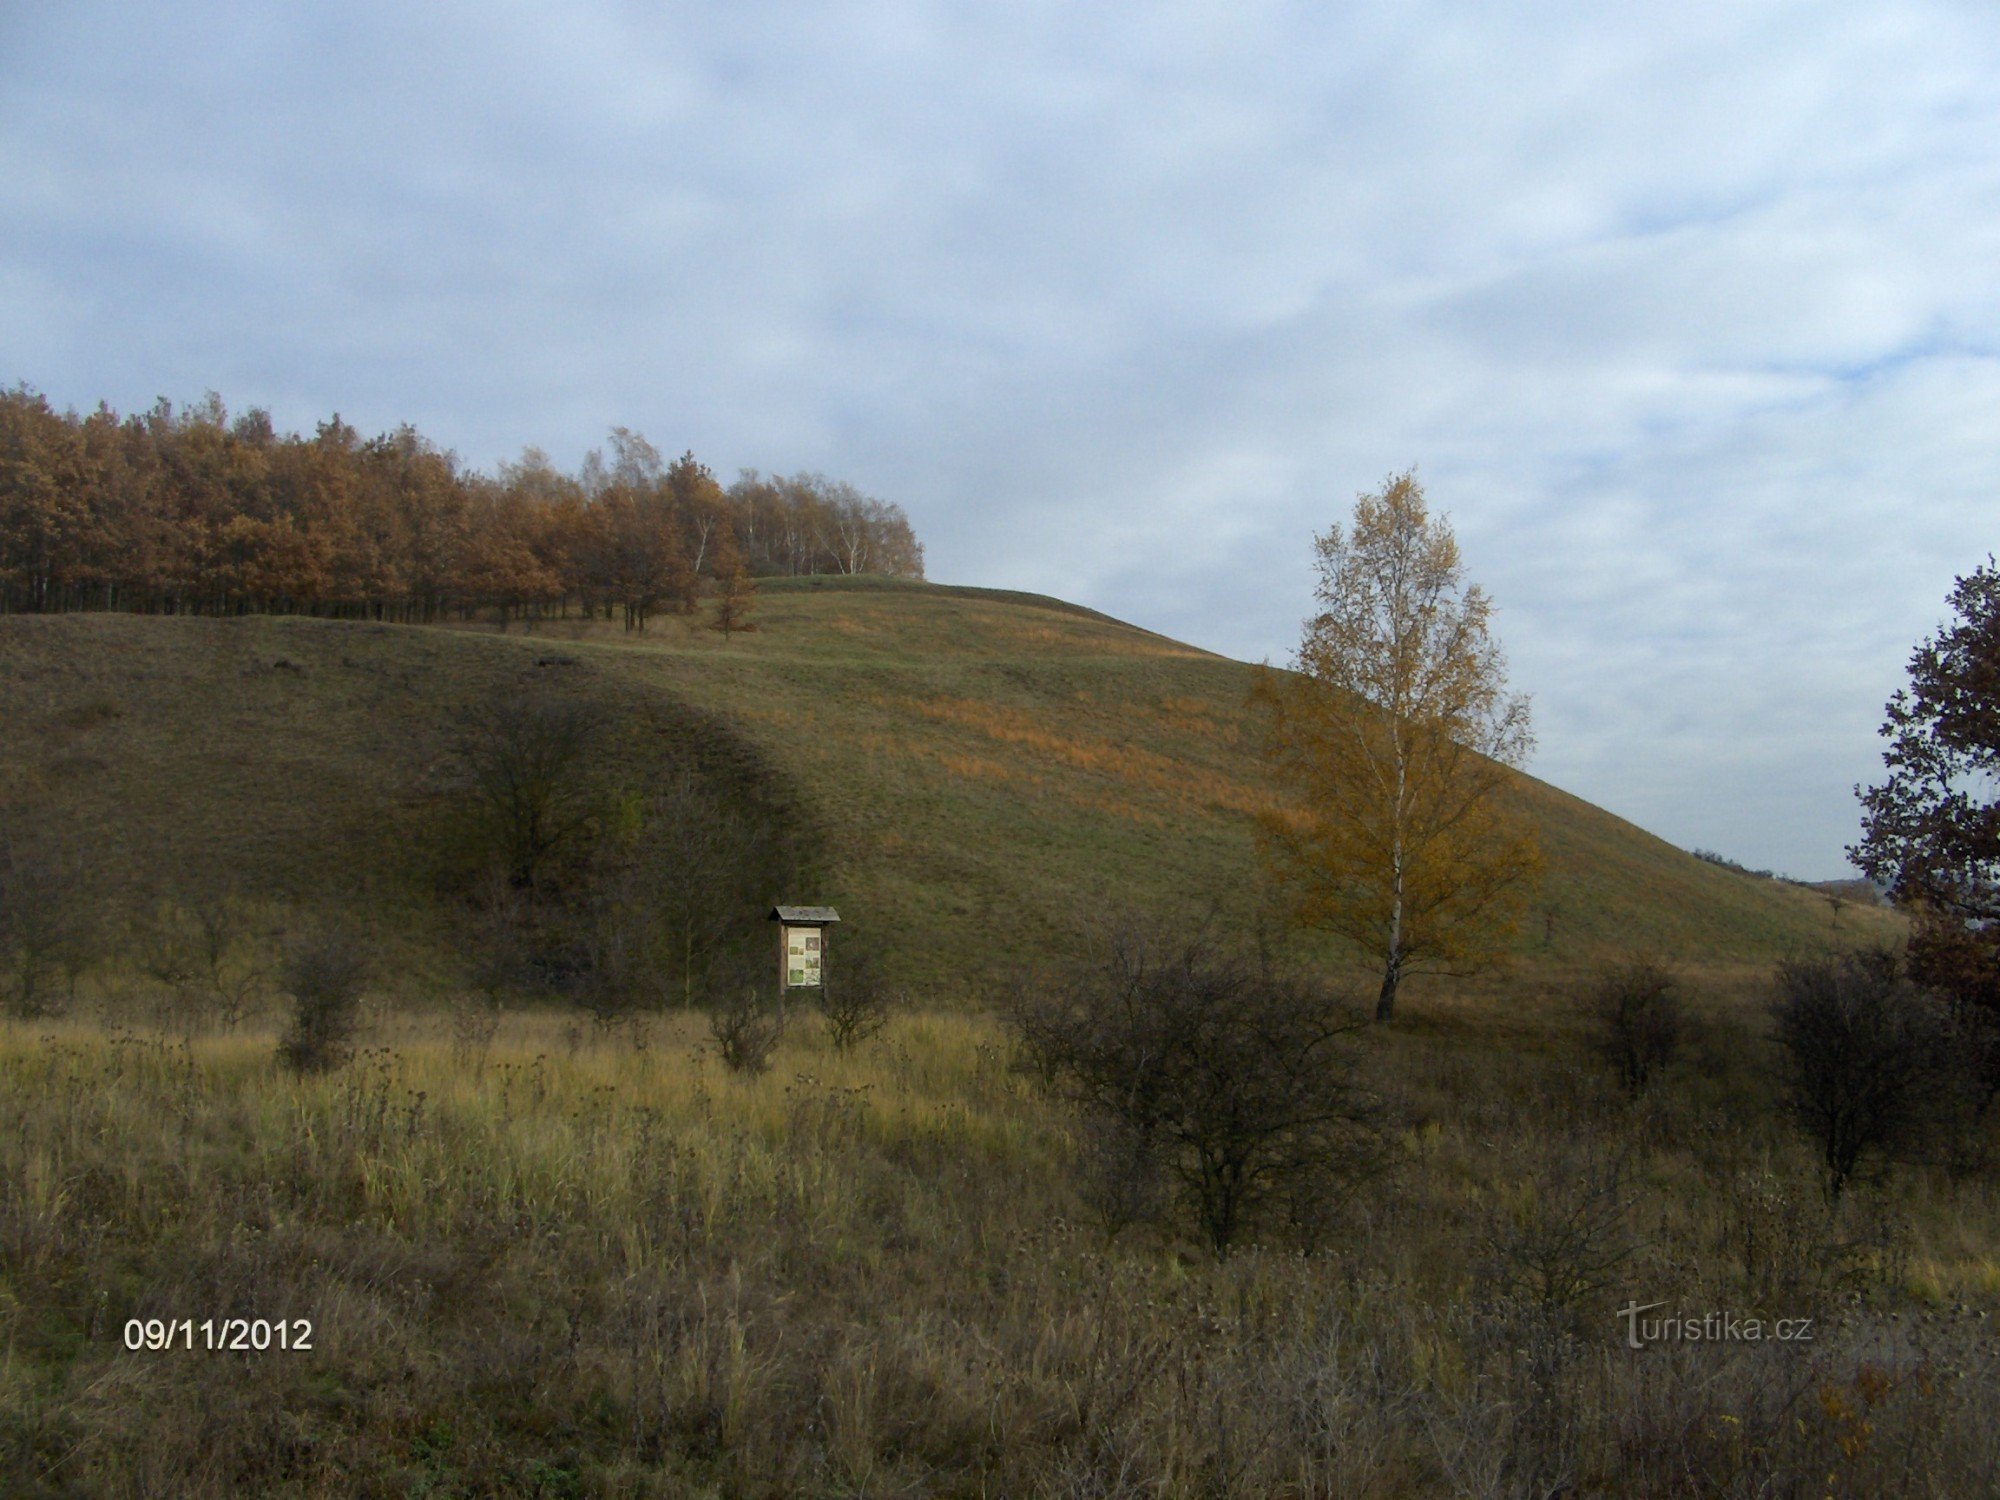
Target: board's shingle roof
(804, 914)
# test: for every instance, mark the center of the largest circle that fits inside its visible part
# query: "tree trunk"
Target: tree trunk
(1385, 1000)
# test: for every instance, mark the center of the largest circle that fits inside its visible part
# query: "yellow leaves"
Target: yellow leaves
(1393, 739)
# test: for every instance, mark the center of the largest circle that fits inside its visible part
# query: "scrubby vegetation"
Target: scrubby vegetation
(561, 1261)
(1212, 1079)
(324, 973)
(1639, 1020)
(572, 1208)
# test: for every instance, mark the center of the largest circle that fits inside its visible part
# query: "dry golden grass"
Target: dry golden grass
(547, 1258)
(1175, 780)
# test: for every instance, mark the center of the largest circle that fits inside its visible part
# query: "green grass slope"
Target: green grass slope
(992, 768)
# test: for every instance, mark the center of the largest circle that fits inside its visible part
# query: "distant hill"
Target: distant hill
(992, 769)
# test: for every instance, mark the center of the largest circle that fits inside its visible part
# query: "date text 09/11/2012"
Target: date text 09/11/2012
(220, 1335)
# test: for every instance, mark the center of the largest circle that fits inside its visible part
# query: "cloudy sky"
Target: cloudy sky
(1687, 313)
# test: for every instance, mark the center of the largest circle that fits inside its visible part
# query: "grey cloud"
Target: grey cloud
(1684, 311)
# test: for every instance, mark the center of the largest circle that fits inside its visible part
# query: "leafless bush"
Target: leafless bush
(1120, 1174)
(747, 1027)
(204, 952)
(1235, 1079)
(527, 778)
(325, 973)
(497, 945)
(1639, 1021)
(164, 951)
(854, 998)
(616, 939)
(1568, 1234)
(1866, 1057)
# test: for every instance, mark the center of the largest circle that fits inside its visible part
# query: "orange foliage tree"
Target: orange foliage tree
(185, 511)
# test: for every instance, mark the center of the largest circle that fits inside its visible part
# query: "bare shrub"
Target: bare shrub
(1639, 1021)
(747, 1027)
(616, 939)
(1120, 1175)
(854, 998)
(1567, 1236)
(203, 951)
(528, 781)
(325, 973)
(163, 948)
(230, 962)
(1866, 1058)
(1235, 1079)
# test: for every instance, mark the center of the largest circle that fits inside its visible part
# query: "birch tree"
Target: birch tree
(1394, 736)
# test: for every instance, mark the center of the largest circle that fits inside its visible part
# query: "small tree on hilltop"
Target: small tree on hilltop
(1394, 736)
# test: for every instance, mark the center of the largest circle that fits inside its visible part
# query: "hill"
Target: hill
(990, 769)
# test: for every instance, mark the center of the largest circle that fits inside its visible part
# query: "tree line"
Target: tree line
(188, 511)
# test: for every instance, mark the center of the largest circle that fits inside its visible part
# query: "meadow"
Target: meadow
(543, 1255)
(540, 1257)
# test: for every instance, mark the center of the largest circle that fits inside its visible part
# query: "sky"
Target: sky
(1686, 314)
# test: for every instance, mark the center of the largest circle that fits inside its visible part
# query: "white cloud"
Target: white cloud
(1684, 310)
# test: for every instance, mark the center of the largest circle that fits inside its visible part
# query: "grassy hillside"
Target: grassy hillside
(538, 1257)
(991, 768)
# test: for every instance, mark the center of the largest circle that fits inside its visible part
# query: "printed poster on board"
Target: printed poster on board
(802, 952)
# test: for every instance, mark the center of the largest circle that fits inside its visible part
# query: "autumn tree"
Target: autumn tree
(701, 512)
(735, 594)
(42, 513)
(184, 510)
(1931, 831)
(1394, 736)
(498, 563)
